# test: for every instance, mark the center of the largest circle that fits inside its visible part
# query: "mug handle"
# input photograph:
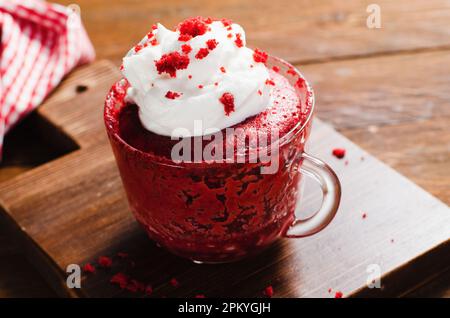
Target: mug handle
(331, 188)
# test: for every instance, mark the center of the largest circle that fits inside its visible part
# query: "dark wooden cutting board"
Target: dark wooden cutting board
(73, 210)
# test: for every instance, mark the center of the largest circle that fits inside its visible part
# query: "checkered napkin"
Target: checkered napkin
(40, 43)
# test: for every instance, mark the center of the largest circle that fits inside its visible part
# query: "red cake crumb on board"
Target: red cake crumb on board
(174, 282)
(338, 294)
(268, 291)
(105, 261)
(227, 101)
(339, 153)
(120, 279)
(88, 268)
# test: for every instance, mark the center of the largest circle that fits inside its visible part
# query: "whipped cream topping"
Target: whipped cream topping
(202, 71)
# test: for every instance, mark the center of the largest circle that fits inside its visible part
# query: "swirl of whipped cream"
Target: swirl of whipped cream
(200, 72)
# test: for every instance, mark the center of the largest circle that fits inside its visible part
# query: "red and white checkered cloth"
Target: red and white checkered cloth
(40, 42)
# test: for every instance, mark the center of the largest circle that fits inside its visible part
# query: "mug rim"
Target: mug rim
(111, 100)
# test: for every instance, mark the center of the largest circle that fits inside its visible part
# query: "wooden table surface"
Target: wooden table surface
(386, 89)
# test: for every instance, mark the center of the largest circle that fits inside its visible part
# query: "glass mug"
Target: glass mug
(222, 212)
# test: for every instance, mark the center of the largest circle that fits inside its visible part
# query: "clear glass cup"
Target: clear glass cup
(222, 212)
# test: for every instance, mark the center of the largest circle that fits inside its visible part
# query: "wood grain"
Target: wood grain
(73, 209)
(298, 31)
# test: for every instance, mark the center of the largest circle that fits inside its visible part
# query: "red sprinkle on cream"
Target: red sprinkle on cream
(184, 37)
(226, 22)
(88, 268)
(137, 48)
(105, 261)
(229, 35)
(270, 82)
(202, 53)
(276, 69)
(211, 44)
(238, 40)
(171, 62)
(268, 291)
(227, 101)
(222, 69)
(154, 42)
(172, 95)
(364, 215)
(259, 92)
(260, 56)
(193, 26)
(200, 86)
(190, 76)
(300, 82)
(339, 153)
(186, 48)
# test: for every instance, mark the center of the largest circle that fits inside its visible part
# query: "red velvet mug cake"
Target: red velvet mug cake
(209, 140)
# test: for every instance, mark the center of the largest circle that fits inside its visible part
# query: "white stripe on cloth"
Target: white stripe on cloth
(40, 43)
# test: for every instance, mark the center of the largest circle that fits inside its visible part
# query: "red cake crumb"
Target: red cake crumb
(339, 153)
(268, 291)
(120, 279)
(193, 26)
(137, 48)
(171, 62)
(211, 44)
(260, 56)
(226, 22)
(154, 42)
(270, 82)
(338, 294)
(227, 100)
(200, 86)
(229, 35)
(148, 290)
(174, 282)
(364, 215)
(104, 261)
(222, 69)
(259, 92)
(291, 71)
(300, 83)
(135, 286)
(329, 290)
(172, 95)
(186, 48)
(276, 69)
(190, 76)
(238, 40)
(208, 20)
(202, 53)
(216, 84)
(184, 37)
(89, 268)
